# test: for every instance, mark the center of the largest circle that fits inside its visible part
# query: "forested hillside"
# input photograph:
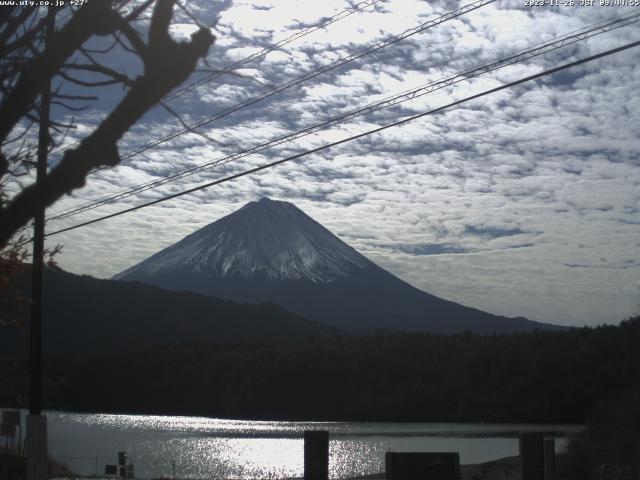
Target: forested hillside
(87, 315)
(533, 377)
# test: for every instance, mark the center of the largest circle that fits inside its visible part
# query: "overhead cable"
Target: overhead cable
(310, 75)
(256, 56)
(263, 53)
(537, 50)
(351, 138)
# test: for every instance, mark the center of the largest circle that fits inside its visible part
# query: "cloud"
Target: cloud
(492, 232)
(524, 202)
(427, 249)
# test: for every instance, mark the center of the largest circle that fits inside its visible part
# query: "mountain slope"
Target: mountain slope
(84, 314)
(263, 240)
(272, 251)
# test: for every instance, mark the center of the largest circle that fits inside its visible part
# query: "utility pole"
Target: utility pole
(37, 464)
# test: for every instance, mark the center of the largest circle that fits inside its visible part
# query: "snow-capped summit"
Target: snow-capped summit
(265, 239)
(270, 251)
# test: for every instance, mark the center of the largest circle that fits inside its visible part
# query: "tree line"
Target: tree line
(382, 376)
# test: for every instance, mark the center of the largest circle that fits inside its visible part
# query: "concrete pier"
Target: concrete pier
(316, 455)
(36, 448)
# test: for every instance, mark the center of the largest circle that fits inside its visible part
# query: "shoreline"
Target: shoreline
(498, 469)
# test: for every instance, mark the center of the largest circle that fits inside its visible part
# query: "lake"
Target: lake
(199, 447)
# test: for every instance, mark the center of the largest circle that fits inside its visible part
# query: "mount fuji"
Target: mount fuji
(271, 251)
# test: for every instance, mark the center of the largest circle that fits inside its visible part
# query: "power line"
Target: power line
(310, 75)
(327, 68)
(539, 49)
(255, 56)
(323, 24)
(262, 53)
(354, 137)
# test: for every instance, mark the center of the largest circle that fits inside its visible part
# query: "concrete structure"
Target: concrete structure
(532, 455)
(422, 465)
(549, 459)
(316, 455)
(37, 464)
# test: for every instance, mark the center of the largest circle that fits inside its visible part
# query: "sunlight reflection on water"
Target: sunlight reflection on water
(214, 448)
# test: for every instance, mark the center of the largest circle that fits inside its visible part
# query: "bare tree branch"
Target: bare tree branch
(74, 97)
(103, 50)
(69, 107)
(86, 83)
(190, 15)
(94, 18)
(136, 12)
(188, 127)
(96, 68)
(136, 42)
(22, 134)
(167, 64)
(12, 25)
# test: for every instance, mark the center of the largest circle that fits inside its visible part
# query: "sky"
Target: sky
(524, 202)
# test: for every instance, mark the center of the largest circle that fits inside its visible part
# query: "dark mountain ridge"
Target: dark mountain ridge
(85, 314)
